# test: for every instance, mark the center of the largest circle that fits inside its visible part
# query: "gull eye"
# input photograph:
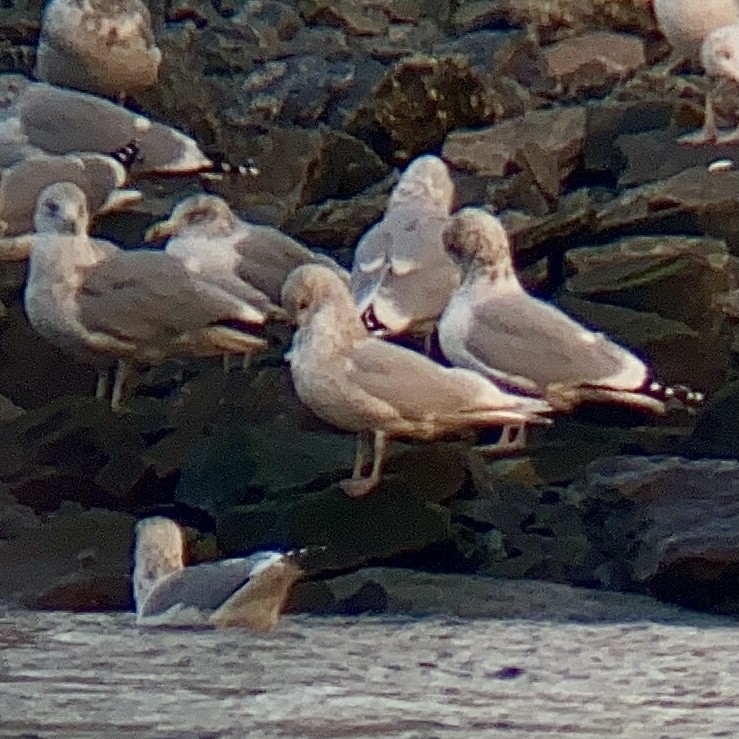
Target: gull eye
(51, 207)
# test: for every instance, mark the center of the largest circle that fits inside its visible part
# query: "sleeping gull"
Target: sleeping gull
(402, 278)
(140, 307)
(102, 46)
(492, 325)
(41, 117)
(360, 383)
(249, 592)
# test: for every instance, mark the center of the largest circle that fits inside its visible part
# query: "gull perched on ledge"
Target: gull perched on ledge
(247, 592)
(139, 307)
(361, 383)
(249, 260)
(401, 277)
(492, 325)
(102, 46)
(37, 117)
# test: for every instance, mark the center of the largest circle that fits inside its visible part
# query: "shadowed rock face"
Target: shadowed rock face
(553, 116)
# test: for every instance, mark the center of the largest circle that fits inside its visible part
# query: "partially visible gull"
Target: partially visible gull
(246, 259)
(686, 23)
(401, 277)
(247, 592)
(381, 391)
(139, 307)
(720, 58)
(41, 117)
(105, 47)
(100, 177)
(493, 326)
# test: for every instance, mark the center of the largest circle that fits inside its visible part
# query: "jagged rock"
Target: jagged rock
(9, 411)
(658, 155)
(390, 522)
(419, 101)
(298, 167)
(72, 560)
(591, 64)
(493, 152)
(561, 18)
(694, 201)
(243, 464)
(677, 277)
(73, 448)
(668, 525)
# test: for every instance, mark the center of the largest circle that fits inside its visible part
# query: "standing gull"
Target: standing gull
(402, 278)
(140, 307)
(249, 261)
(492, 325)
(720, 58)
(686, 23)
(360, 383)
(105, 47)
(243, 258)
(690, 27)
(249, 592)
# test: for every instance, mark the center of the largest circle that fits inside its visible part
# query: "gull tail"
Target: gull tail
(676, 397)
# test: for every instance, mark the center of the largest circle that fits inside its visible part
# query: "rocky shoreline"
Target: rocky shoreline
(556, 114)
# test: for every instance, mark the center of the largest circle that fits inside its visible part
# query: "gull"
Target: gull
(379, 390)
(720, 58)
(401, 277)
(493, 326)
(247, 592)
(38, 117)
(700, 32)
(106, 47)
(686, 23)
(100, 177)
(247, 260)
(139, 307)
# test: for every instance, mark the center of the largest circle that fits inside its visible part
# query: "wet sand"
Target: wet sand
(90, 675)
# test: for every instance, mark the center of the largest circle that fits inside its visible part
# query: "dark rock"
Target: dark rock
(669, 525)
(677, 277)
(695, 201)
(419, 101)
(388, 523)
(716, 431)
(73, 560)
(243, 464)
(73, 448)
(401, 591)
(591, 64)
(494, 151)
(297, 167)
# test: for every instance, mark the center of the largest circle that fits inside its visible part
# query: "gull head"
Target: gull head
(310, 287)
(425, 182)
(158, 552)
(204, 215)
(474, 236)
(720, 53)
(61, 208)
